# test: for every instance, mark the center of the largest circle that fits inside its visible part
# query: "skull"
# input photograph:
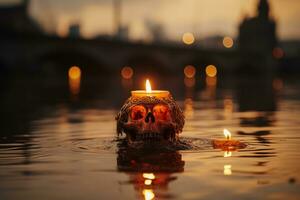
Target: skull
(150, 119)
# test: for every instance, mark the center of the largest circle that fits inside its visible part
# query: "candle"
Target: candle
(228, 143)
(150, 92)
(147, 114)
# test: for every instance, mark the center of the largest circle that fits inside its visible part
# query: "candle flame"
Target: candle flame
(148, 86)
(227, 134)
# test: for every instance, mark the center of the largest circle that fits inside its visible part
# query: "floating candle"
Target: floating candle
(147, 114)
(228, 144)
(150, 92)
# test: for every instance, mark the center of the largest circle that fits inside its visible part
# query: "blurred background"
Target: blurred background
(106, 35)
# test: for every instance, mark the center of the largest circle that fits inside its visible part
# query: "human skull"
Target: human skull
(150, 118)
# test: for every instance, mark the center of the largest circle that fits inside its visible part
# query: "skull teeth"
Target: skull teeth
(149, 136)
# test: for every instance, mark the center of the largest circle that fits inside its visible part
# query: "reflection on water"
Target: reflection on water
(74, 80)
(53, 146)
(150, 172)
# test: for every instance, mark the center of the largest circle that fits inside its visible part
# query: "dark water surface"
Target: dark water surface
(55, 144)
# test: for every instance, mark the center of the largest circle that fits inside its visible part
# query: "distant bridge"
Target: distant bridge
(52, 53)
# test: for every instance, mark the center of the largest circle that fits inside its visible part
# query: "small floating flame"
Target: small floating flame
(148, 86)
(227, 134)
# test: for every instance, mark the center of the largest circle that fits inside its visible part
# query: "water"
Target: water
(59, 145)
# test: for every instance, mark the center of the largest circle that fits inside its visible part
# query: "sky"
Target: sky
(204, 18)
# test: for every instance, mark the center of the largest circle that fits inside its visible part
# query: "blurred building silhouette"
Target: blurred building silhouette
(74, 31)
(24, 44)
(15, 19)
(257, 35)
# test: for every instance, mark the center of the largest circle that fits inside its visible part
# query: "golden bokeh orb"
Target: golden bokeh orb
(127, 72)
(188, 38)
(227, 42)
(74, 72)
(211, 70)
(189, 71)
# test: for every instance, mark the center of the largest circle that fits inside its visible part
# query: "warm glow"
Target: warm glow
(227, 154)
(149, 175)
(277, 84)
(188, 108)
(148, 194)
(227, 42)
(188, 38)
(127, 72)
(74, 79)
(227, 170)
(189, 71)
(148, 182)
(227, 134)
(277, 53)
(148, 86)
(74, 72)
(211, 71)
(189, 82)
(228, 106)
(211, 81)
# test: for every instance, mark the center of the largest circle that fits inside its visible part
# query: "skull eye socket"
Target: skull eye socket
(138, 112)
(161, 112)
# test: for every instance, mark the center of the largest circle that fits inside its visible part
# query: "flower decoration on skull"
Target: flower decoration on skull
(150, 118)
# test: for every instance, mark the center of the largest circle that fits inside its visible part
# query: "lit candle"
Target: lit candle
(228, 143)
(150, 92)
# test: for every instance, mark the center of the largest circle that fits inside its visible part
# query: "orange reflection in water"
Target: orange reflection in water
(227, 170)
(149, 176)
(227, 154)
(189, 82)
(211, 81)
(228, 107)
(148, 194)
(74, 79)
(188, 38)
(188, 108)
(277, 84)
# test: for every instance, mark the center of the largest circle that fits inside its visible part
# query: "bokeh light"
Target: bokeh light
(211, 81)
(188, 38)
(277, 84)
(149, 175)
(227, 170)
(227, 154)
(148, 194)
(211, 70)
(189, 71)
(148, 182)
(227, 42)
(188, 108)
(277, 53)
(127, 72)
(189, 82)
(74, 72)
